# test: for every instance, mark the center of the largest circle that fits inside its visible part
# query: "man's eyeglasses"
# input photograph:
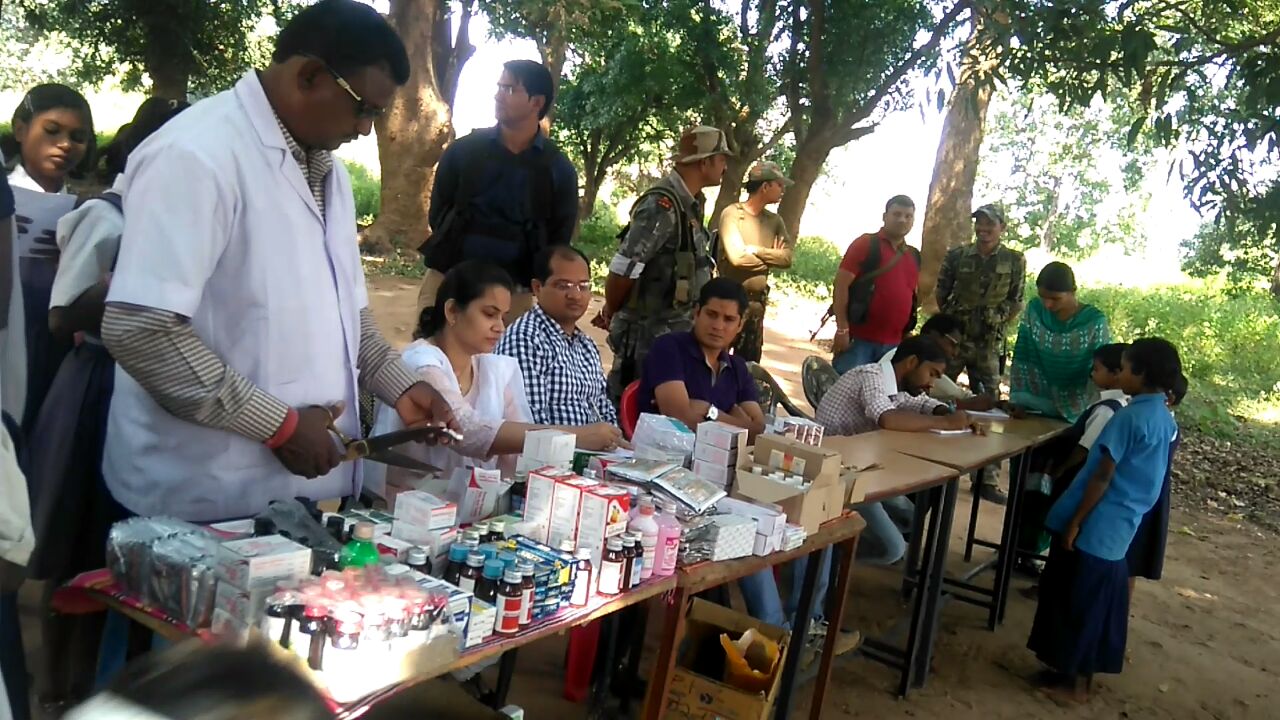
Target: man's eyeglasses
(567, 287)
(363, 109)
(508, 89)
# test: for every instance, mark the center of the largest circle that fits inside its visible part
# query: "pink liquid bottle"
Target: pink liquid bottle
(668, 545)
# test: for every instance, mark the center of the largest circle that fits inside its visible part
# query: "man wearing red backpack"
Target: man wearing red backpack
(875, 290)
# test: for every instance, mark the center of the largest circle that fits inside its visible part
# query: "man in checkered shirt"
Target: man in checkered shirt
(890, 395)
(563, 376)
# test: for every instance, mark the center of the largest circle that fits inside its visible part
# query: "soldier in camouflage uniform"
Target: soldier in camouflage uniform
(982, 284)
(754, 240)
(663, 257)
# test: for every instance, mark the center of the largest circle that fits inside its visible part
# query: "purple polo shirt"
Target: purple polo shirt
(678, 357)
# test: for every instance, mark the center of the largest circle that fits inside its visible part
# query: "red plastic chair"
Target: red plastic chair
(629, 409)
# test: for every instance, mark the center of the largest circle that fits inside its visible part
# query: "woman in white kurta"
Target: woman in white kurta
(454, 352)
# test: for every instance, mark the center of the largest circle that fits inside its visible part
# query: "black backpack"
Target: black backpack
(863, 287)
(443, 248)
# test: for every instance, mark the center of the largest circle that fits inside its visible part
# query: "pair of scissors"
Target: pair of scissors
(379, 447)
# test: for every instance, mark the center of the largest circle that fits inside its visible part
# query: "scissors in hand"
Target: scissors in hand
(379, 448)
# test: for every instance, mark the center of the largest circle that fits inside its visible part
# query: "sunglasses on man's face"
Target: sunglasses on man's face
(364, 110)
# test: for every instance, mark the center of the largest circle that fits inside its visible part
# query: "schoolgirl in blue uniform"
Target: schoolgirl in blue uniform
(72, 510)
(51, 139)
(1081, 621)
(1146, 552)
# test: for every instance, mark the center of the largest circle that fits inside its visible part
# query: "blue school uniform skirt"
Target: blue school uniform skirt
(1146, 552)
(71, 508)
(1082, 619)
(44, 351)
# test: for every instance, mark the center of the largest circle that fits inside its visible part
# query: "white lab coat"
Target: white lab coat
(221, 227)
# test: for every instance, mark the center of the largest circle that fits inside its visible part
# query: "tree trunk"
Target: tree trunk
(168, 82)
(553, 53)
(1275, 280)
(949, 206)
(811, 155)
(167, 60)
(592, 179)
(1048, 233)
(412, 134)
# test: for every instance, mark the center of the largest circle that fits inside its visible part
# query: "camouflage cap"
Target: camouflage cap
(992, 212)
(701, 142)
(768, 172)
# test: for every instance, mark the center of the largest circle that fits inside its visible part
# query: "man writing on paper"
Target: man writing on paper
(890, 397)
(237, 312)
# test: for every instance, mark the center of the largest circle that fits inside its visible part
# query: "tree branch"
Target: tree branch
(940, 31)
(848, 135)
(818, 94)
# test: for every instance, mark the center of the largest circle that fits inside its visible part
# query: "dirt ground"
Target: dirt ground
(1203, 642)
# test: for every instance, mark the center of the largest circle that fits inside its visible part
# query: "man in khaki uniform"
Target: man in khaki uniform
(754, 240)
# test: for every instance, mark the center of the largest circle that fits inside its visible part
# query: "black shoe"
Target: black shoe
(993, 494)
(1028, 567)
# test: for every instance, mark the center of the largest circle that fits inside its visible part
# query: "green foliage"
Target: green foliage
(1230, 346)
(813, 268)
(1244, 247)
(367, 190)
(206, 43)
(1201, 75)
(598, 233)
(629, 95)
(1069, 187)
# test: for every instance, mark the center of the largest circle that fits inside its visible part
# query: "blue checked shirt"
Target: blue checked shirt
(563, 376)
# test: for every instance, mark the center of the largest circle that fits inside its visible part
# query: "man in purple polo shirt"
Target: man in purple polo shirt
(690, 376)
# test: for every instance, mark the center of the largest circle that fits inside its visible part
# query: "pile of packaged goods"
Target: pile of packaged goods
(801, 430)
(338, 589)
(716, 451)
(168, 564)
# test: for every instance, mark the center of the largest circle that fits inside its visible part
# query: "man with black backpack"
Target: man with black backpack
(664, 257)
(875, 290)
(501, 194)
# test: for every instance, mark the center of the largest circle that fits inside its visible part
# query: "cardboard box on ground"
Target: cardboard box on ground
(820, 499)
(697, 690)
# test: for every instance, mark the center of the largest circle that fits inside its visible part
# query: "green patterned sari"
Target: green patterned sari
(1053, 360)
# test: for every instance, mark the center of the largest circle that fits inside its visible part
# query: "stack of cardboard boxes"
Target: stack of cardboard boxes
(249, 570)
(716, 451)
(806, 482)
(562, 506)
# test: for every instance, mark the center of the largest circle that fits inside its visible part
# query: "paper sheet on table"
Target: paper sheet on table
(987, 414)
(951, 432)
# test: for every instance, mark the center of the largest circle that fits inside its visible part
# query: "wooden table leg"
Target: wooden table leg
(847, 550)
(665, 665)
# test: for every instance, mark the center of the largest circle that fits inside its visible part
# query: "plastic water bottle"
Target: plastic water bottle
(668, 542)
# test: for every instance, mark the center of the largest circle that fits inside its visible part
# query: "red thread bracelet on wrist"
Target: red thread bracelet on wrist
(285, 432)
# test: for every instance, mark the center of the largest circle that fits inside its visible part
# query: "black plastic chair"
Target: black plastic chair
(771, 395)
(817, 376)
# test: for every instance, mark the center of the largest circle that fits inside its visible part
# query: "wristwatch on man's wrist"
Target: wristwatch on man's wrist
(713, 413)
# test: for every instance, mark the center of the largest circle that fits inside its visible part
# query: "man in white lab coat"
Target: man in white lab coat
(237, 311)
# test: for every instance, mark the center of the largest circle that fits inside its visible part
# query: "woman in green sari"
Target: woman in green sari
(1053, 356)
(1052, 366)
